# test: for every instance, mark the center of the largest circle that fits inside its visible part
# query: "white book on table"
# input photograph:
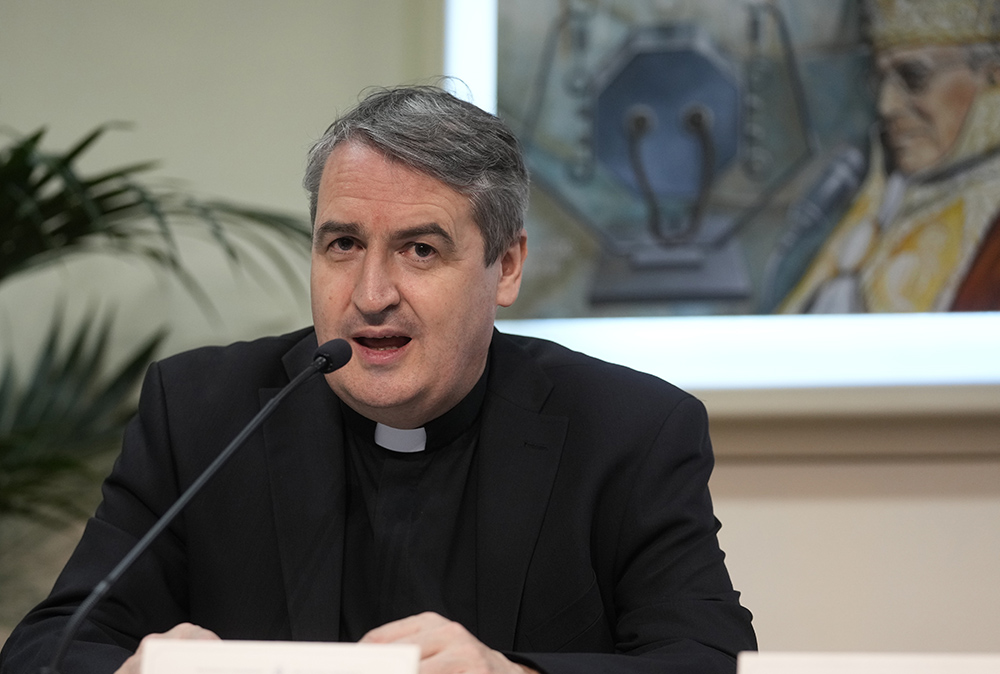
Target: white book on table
(179, 656)
(868, 663)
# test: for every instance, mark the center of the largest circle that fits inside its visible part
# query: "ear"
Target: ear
(511, 266)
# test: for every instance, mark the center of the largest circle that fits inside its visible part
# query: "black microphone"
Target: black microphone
(334, 355)
(330, 356)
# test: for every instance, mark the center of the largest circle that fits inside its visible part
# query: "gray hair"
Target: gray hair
(435, 133)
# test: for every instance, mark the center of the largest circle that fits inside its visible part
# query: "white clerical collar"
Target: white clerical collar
(407, 440)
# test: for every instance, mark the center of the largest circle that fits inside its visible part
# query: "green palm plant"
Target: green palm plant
(72, 406)
(56, 422)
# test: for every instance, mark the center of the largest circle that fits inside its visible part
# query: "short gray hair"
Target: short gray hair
(435, 133)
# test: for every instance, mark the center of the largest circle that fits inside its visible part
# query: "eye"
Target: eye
(343, 244)
(915, 76)
(423, 250)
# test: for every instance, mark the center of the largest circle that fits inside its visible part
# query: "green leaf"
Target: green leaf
(67, 411)
(70, 406)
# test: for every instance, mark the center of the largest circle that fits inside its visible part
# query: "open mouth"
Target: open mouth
(383, 343)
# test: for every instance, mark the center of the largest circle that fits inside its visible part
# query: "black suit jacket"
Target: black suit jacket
(596, 542)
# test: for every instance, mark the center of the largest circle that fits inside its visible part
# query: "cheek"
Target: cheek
(462, 316)
(948, 110)
(327, 299)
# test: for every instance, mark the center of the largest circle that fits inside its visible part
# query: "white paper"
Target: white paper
(180, 656)
(868, 663)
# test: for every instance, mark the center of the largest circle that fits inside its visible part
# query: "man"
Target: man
(922, 234)
(503, 502)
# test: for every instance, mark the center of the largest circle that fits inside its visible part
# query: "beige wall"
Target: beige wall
(875, 531)
(864, 533)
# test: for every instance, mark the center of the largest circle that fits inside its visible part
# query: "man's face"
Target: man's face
(924, 96)
(398, 271)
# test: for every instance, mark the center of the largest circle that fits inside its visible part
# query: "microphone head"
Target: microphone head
(334, 355)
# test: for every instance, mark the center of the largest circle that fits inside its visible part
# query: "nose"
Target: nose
(375, 288)
(892, 100)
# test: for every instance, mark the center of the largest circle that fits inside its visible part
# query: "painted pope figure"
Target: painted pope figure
(922, 233)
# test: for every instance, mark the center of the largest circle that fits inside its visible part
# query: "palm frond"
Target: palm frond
(48, 211)
(69, 408)
(67, 411)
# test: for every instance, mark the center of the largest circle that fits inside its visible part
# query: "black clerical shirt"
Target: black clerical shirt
(410, 537)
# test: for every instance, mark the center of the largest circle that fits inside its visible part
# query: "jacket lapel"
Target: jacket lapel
(519, 450)
(304, 441)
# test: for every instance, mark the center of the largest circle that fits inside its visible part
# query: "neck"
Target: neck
(437, 431)
(417, 412)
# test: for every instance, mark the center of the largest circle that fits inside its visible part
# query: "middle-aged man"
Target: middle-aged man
(923, 232)
(505, 503)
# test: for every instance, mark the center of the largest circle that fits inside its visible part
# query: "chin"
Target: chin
(365, 395)
(913, 160)
(378, 400)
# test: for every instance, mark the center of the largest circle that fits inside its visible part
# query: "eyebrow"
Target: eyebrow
(429, 229)
(332, 228)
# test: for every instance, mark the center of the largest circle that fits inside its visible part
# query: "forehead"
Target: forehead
(927, 55)
(359, 174)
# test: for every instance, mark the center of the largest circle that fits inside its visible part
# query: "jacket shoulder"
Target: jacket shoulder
(259, 361)
(572, 372)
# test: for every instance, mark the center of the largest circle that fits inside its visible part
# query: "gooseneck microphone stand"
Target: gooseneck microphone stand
(329, 357)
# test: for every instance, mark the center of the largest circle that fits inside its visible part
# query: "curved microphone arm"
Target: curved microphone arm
(329, 357)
